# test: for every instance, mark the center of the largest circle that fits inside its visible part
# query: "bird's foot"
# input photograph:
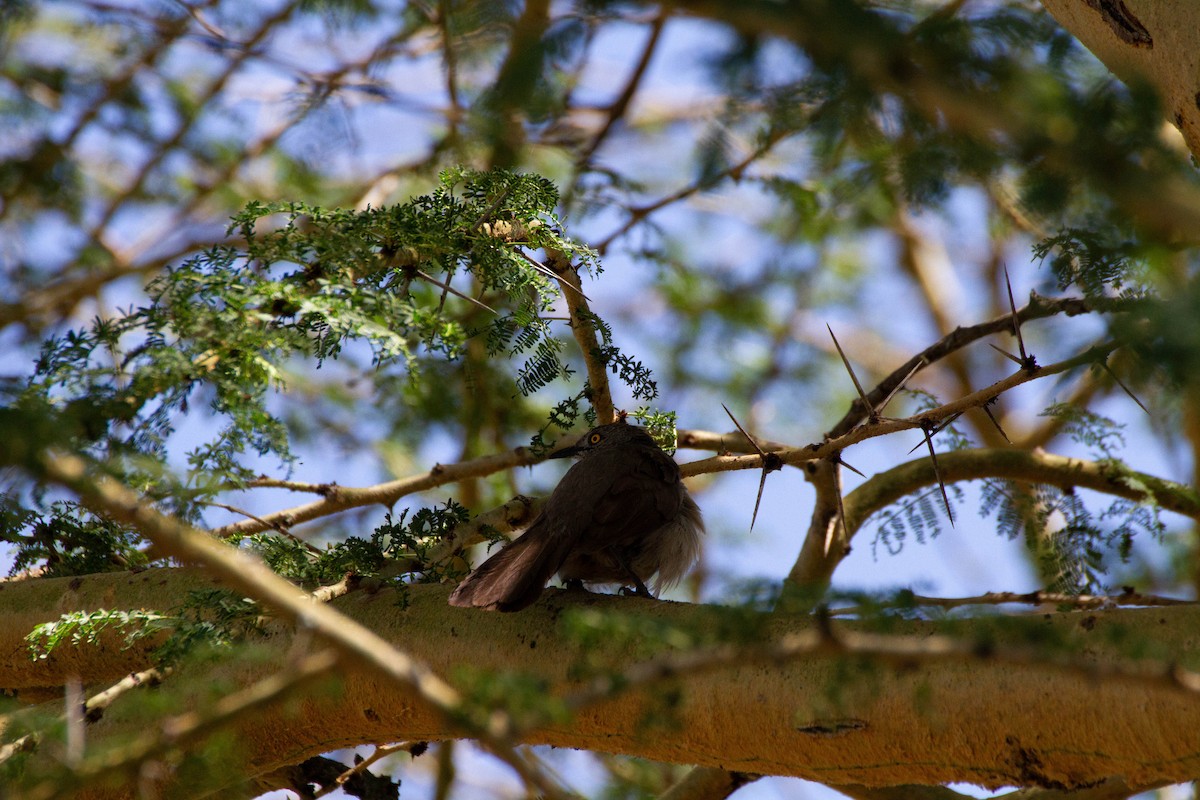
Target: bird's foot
(636, 591)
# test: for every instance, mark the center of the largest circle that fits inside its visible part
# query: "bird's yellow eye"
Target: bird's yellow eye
(594, 438)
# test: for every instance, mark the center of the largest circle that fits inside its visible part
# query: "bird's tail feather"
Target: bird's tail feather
(514, 577)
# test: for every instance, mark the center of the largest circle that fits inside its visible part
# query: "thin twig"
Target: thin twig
(277, 526)
(98, 703)
(342, 498)
(959, 338)
(620, 105)
(640, 213)
(491, 209)
(381, 752)
(832, 444)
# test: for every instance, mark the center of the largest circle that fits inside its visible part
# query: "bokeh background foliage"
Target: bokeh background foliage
(253, 249)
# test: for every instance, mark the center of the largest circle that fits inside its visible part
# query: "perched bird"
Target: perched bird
(621, 514)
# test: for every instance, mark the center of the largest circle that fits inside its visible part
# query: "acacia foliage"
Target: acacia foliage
(833, 147)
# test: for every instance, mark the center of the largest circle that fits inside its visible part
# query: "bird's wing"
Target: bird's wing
(640, 495)
(514, 577)
(606, 503)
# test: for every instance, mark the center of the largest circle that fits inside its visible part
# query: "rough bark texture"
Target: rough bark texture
(922, 720)
(1154, 41)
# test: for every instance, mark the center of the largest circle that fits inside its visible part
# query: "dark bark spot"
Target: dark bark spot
(829, 728)
(1127, 27)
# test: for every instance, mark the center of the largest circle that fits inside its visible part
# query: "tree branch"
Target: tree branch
(188, 728)
(1038, 308)
(585, 336)
(1019, 683)
(1034, 466)
(853, 435)
(357, 642)
(620, 105)
(341, 498)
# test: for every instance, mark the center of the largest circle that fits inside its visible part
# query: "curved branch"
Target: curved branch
(1038, 308)
(1035, 466)
(616, 111)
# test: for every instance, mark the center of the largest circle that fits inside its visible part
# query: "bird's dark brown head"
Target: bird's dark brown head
(613, 435)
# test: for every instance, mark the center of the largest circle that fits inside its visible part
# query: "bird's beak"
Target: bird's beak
(568, 451)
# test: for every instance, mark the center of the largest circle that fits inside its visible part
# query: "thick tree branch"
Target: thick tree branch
(1040, 714)
(1155, 42)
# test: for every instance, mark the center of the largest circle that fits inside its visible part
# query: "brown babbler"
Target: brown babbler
(621, 514)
